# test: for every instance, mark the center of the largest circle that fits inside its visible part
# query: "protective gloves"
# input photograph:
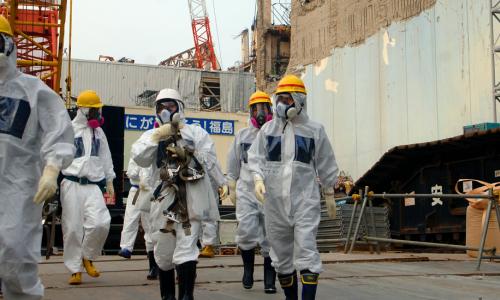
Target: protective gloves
(47, 186)
(162, 132)
(109, 188)
(179, 151)
(331, 206)
(260, 188)
(143, 184)
(223, 191)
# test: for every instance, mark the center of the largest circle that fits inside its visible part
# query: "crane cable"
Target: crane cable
(217, 31)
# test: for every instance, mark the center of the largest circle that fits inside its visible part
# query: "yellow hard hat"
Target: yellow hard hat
(259, 97)
(90, 99)
(5, 26)
(291, 84)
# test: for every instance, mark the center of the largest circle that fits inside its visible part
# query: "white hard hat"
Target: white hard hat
(169, 94)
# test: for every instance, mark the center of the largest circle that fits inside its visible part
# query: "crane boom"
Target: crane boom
(204, 49)
(39, 34)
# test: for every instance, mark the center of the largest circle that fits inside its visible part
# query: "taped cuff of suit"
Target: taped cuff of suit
(308, 277)
(287, 280)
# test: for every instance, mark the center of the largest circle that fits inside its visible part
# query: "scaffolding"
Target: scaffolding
(39, 34)
(370, 236)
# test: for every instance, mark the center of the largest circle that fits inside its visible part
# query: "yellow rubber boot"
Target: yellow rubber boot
(75, 279)
(207, 252)
(89, 267)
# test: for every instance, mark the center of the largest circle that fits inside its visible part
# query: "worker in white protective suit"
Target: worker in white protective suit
(85, 217)
(131, 222)
(178, 247)
(35, 135)
(249, 211)
(287, 156)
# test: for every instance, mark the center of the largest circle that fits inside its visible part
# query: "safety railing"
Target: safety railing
(366, 198)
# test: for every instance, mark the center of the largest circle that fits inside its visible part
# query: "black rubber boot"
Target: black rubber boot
(248, 257)
(289, 285)
(269, 277)
(309, 284)
(167, 284)
(187, 279)
(153, 267)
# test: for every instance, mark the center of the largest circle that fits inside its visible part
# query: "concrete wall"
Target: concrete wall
(418, 80)
(222, 142)
(322, 25)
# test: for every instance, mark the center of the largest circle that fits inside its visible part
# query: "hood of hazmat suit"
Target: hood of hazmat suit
(290, 154)
(35, 130)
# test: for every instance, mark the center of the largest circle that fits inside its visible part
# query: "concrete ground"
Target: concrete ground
(354, 276)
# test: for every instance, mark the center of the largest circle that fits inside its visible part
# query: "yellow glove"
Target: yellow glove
(260, 189)
(162, 132)
(47, 186)
(331, 206)
(179, 151)
(232, 191)
(223, 191)
(110, 189)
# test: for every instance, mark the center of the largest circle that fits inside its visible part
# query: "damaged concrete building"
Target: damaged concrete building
(382, 73)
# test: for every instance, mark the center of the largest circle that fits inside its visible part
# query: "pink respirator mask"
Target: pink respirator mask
(94, 118)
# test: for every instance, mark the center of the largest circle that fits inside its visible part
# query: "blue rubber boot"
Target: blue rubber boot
(125, 253)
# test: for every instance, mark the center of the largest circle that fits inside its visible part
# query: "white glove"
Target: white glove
(143, 184)
(260, 189)
(331, 206)
(162, 132)
(47, 186)
(232, 191)
(110, 189)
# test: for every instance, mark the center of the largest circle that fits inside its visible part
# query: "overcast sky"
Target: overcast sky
(152, 30)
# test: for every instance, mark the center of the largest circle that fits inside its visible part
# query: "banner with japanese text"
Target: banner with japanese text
(146, 122)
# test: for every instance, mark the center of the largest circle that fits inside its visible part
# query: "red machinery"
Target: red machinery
(39, 34)
(203, 45)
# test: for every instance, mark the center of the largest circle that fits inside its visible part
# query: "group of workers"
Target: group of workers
(278, 167)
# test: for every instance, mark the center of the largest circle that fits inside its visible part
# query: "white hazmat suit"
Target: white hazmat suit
(289, 156)
(177, 246)
(35, 130)
(133, 214)
(249, 211)
(170, 250)
(85, 217)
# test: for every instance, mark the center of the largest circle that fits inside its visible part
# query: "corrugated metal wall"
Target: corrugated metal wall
(121, 84)
(236, 90)
(416, 81)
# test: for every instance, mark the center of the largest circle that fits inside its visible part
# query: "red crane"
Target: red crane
(39, 33)
(203, 45)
